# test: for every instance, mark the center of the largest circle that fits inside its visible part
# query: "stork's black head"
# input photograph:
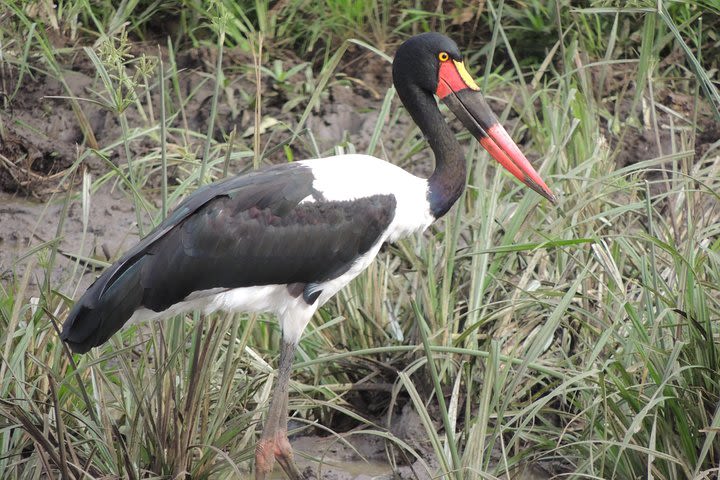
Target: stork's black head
(431, 64)
(417, 61)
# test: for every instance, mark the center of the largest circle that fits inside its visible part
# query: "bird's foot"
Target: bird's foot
(275, 448)
(264, 458)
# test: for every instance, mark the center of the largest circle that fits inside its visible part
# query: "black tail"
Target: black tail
(110, 302)
(104, 309)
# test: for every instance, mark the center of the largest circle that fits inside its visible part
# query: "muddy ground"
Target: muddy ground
(41, 140)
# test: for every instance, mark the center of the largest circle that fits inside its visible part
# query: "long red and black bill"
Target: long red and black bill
(459, 92)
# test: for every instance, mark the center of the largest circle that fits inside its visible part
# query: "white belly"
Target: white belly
(293, 312)
(259, 299)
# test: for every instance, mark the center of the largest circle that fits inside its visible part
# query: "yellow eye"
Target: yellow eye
(443, 56)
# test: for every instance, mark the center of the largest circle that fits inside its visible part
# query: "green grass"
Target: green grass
(583, 338)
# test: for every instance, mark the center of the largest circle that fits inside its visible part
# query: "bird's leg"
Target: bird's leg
(283, 449)
(274, 443)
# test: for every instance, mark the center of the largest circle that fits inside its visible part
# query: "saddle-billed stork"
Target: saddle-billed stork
(285, 239)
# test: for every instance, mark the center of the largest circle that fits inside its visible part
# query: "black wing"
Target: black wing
(249, 230)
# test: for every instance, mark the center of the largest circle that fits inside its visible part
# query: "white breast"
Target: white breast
(348, 177)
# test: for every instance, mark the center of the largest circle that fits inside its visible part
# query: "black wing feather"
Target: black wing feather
(248, 230)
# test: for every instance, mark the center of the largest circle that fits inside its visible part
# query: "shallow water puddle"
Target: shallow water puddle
(343, 470)
(330, 458)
